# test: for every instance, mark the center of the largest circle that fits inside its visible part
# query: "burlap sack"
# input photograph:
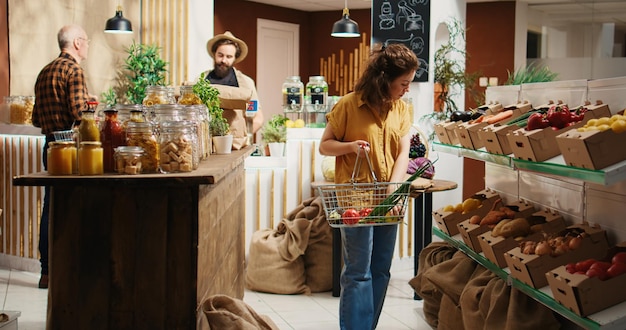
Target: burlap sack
(450, 317)
(318, 255)
(222, 312)
(489, 303)
(268, 271)
(451, 276)
(433, 254)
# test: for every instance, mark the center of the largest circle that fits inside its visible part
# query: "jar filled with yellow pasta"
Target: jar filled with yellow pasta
(187, 96)
(156, 95)
(141, 134)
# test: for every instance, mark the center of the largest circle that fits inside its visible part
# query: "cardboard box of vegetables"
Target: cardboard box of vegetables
(468, 132)
(447, 217)
(494, 136)
(507, 234)
(593, 145)
(537, 141)
(475, 226)
(591, 285)
(530, 261)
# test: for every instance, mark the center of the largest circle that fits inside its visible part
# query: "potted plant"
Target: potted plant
(218, 125)
(530, 74)
(275, 134)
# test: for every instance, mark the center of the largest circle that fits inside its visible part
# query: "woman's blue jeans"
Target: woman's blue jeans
(367, 255)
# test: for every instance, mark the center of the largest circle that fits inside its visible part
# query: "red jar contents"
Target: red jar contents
(111, 136)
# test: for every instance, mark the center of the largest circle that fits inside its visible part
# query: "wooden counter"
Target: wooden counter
(142, 251)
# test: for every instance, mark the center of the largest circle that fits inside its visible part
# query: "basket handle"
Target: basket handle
(357, 164)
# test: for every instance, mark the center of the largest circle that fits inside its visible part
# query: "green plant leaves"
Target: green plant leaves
(143, 67)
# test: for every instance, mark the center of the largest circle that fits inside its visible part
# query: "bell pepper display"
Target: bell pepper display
(557, 117)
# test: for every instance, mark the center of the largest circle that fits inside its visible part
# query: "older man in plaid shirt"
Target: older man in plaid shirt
(60, 96)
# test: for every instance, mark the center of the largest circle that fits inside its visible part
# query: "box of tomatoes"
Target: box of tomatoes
(591, 285)
(593, 145)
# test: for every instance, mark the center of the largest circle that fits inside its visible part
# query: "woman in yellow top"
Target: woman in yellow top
(375, 119)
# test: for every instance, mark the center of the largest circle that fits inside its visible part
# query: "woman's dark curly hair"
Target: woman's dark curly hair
(384, 66)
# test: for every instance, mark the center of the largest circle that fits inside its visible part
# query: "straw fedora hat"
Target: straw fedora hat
(228, 35)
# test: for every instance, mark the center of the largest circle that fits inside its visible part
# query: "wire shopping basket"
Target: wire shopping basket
(66, 135)
(364, 204)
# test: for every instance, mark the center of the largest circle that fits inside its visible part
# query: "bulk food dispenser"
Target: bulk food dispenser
(316, 101)
(293, 97)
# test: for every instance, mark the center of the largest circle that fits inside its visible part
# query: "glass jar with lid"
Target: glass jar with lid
(90, 158)
(156, 95)
(293, 94)
(316, 101)
(111, 136)
(88, 128)
(187, 96)
(141, 134)
(178, 145)
(199, 115)
(62, 158)
(128, 159)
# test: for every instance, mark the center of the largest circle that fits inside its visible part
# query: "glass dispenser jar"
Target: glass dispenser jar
(293, 96)
(187, 96)
(316, 101)
(178, 145)
(140, 134)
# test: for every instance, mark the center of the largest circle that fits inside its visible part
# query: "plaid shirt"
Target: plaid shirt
(60, 95)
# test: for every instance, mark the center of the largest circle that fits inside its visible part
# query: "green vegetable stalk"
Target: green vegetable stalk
(390, 202)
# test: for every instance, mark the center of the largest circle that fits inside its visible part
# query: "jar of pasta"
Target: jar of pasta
(187, 96)
(198, 114)
(90, 158)
(128, 159)
(156, 95)
(177, 141)
(141, 134)
(62, 158)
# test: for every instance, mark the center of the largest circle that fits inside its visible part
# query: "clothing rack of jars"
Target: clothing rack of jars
(161, 135)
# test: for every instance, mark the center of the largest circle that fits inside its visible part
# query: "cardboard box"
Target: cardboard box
(467, 134)
(495, 140)
(540, 144)
(531, 268)
(445, 131)
(494, 247)
(491, 108)
(593, 150)
(585, 295)
(470, 232)
(447, 221)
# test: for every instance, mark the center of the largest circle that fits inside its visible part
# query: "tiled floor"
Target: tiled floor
(300, 312)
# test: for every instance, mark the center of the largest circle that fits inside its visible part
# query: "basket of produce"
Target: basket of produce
(366, 203)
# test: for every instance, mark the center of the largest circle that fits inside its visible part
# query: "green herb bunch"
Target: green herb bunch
(531, 74)
(275, 130)
(143, 67)
(209, 95)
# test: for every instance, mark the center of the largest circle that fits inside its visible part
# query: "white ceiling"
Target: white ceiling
(606, 11)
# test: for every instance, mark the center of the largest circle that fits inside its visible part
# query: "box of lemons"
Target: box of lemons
(298, 123)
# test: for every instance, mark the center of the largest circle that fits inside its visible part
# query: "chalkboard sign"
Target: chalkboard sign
(406, 22)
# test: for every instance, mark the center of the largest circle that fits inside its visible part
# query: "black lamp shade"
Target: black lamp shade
(345, 27)
(118, 24)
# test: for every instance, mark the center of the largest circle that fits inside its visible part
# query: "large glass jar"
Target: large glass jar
(316, 101)
(111, 136)
(141, 134)
(128, 159)
(62, 158)
(20, 109)
(178, 145)
(199, 115)
(88, 129)
(187, 96)
(90, 158)
(293, 94)
(156, 95)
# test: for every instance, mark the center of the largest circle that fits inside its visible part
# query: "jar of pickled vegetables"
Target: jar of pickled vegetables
(62, 158)
(128, 159)
(90, 158)
(88, 128)
(141, 134)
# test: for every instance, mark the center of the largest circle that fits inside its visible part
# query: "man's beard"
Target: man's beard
(221, 70)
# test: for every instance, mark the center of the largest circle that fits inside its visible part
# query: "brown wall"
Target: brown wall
(490, 37)
(315, 28)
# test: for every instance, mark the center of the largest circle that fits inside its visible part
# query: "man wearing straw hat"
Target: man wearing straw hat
(227, 50)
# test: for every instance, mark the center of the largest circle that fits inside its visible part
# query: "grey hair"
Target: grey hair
(67, 34)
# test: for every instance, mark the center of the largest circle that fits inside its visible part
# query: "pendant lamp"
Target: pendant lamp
(117, 23)
(345, 27)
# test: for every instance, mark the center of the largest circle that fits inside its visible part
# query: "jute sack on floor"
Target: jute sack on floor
(221, 312)
(433, 254)
(318, 254)
(275, 265)
(489, 303)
